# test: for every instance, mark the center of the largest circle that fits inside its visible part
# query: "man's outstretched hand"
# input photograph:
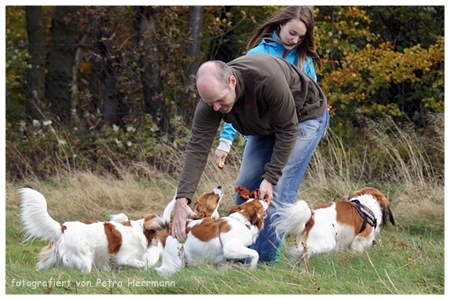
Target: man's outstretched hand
(181, 214)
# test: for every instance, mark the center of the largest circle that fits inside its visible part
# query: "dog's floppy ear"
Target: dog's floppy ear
(200, 210)
(152, 222)
(257, 218)
(243, 192)
(387, 213)
(211, 205)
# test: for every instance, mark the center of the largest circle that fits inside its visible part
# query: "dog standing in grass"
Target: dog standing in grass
(335, 226)
(106, 245)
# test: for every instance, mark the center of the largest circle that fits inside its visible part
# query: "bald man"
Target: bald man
(283, 112)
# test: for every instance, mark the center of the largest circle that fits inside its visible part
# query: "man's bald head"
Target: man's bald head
(215, 83)
(215, 72)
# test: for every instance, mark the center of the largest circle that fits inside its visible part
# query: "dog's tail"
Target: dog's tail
(169, 209)
(119, 218)
(35, 219)
(291, 219)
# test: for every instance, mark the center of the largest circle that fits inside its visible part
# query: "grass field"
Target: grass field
(408, 259)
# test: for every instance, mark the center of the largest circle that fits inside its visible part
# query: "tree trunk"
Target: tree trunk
(105, 68)
(193, 54)
(193, 50)
(37, 43)
(60, 62)
(152, 84)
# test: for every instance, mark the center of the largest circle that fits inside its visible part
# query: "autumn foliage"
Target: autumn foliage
(132, 92)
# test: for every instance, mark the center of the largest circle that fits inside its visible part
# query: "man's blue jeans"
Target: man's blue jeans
(257, 153)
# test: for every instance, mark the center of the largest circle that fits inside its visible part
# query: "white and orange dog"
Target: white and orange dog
(83, 245)
(213, 241)
(206, 206)
(334, 226)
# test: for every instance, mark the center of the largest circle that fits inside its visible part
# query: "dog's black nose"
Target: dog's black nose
(219, 187)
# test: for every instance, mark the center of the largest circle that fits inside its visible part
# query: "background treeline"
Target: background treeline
(107, 88)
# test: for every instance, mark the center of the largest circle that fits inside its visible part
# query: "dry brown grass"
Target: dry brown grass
(412, 181)
(89, 196)
(85, 195)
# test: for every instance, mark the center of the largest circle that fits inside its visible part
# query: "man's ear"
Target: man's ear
(232, 81)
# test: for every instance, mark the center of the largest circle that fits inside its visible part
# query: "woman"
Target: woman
(289, 35)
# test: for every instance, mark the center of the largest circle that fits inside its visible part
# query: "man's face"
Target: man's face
(219, 97)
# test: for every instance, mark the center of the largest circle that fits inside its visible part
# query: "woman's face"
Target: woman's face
(292, 33)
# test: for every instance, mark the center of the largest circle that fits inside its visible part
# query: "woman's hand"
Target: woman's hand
(220, 158)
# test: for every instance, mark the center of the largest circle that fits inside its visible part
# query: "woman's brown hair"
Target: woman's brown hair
(307, 47)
